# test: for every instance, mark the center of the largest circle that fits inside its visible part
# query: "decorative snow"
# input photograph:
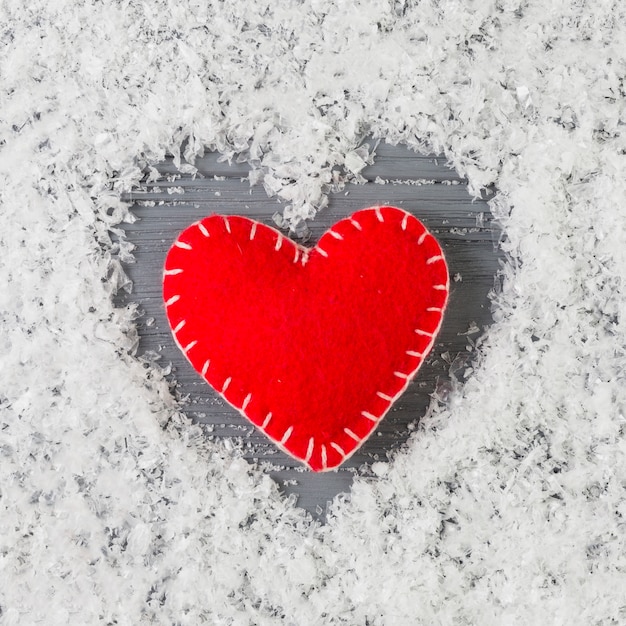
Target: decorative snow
(508, 506)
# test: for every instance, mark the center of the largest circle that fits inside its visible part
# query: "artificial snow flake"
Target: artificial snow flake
(508, 504)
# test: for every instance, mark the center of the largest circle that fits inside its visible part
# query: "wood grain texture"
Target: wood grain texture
(463, 227)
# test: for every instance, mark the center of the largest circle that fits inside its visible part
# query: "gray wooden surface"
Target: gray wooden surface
(462, 226)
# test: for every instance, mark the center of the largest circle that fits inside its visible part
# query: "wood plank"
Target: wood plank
(462, 225)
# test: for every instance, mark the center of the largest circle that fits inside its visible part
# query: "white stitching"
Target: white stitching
(248, 398)
(338, 448)
(351, 434)
(420, 241)
(434, 259)
(286, 436)
(190, 345)
(246, 401)
(434, 309)
(419, 331)
(369, 416)
(309, 450)
(413, 353)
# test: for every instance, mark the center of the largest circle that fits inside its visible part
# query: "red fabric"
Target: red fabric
(313, 346)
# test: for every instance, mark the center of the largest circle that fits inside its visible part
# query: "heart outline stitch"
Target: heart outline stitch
(318, 456)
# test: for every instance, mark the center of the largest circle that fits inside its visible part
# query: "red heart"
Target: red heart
(313, 346)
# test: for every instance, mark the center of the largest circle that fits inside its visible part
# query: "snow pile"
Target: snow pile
(508, 506)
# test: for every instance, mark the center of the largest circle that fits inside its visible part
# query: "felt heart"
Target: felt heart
(313, 346)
